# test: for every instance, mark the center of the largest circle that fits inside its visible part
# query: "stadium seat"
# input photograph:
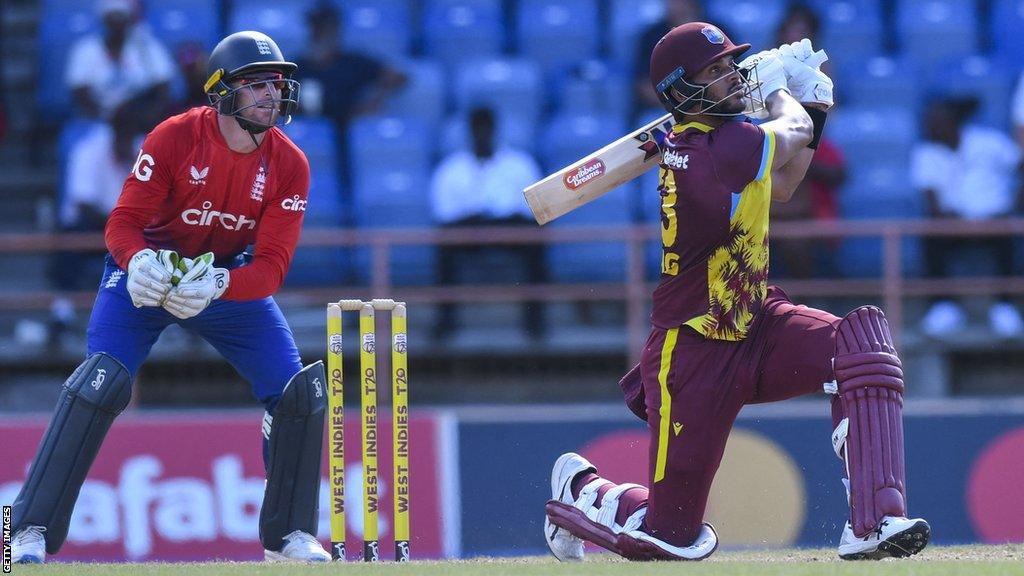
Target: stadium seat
(396, 196)
(382, 28)
(61, 24)
(627, 22)
(565, 140)
(380, 142)
(282, 20)
(455, 30)
(1007, 20)
(185, 21)
(748, 20)
(851, 30)
(983, 78)
(423, 96)
(868, 135)
(511, 86)
(558, 33)
(593, 87)
(318, 140)
(881, 83)
(931, 31)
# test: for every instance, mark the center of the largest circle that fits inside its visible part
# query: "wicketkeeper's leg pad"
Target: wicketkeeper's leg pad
(869, 376)
(291, 500)
(95, 393)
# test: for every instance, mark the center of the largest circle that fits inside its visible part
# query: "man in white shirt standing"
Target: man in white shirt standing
(122, 63)
(483, 186)
(970, 172)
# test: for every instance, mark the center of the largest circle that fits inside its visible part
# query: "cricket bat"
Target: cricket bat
(597, 174)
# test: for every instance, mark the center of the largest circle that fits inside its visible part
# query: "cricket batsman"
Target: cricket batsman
(207, 184)
(721, 337)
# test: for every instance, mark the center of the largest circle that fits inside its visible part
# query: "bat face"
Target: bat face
(597, 174)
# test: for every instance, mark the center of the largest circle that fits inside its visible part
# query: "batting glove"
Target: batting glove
(149, 276)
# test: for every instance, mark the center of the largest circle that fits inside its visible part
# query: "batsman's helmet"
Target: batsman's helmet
(681, 54)
(245, 54)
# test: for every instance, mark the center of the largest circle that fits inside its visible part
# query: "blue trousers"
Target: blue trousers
(252, 335)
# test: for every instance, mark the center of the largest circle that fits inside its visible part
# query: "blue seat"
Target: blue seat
(629, 19)
(61, 25)
(185, 21)
(851, 30)
(883, 191)
(381, 28)
(1007, 22)
(983, 78)
(565, 140)
(558, 33)
(282, 20)
(423, 96)
(868, 135)
(932, 31)
(511, 86)
(378, 143)
(512, 131)
(880, 83)
(396, 196)
(455, 30)
(318, 140)
(594, 87)
(748, 20)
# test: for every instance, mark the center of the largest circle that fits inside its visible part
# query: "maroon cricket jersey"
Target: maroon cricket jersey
(189, 192)
(715, 186)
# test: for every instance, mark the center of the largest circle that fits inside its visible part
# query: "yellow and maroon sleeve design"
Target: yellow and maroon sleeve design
(738, 269)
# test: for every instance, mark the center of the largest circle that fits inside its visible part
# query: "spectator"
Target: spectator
(966, 172)
(676, 12)
(484, 187)
(125, 62)
(816, 196)
(339, 84)
(97, 167)
(191, 59)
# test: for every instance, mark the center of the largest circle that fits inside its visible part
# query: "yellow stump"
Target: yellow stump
(368, 367)
(400, 430)
(336, 431)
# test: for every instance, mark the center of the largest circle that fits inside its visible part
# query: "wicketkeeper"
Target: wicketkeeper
(207, 184)
(721, 337)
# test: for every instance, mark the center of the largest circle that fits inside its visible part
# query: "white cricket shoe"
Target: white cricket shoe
(28, 546)
(895, 537)
(563, 545)
(300, 547)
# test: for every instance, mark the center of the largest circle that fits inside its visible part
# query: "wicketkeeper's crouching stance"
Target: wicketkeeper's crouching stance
(721, 337)
(207, 184)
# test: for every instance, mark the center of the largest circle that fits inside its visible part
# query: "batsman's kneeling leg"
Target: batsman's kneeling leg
(98, 390)
(291, 500)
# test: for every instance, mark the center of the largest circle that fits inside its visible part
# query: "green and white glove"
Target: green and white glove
(200, 284)
(149, 276)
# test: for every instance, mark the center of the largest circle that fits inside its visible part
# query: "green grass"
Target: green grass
(973, 560)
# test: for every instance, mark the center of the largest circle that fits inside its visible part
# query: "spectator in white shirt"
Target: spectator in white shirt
(124, 62)
(970, 172)
(484, 187)
(97, 166)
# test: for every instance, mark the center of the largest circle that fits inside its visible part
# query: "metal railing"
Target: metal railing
(634, 290)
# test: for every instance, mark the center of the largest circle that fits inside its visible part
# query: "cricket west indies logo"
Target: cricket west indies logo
(651, 141)
(584, 173)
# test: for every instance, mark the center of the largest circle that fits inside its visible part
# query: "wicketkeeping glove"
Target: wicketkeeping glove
(200, 285)
(149, 276)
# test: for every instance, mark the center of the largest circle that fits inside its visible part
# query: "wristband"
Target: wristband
(818, 117)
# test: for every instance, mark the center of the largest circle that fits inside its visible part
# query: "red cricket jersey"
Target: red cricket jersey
(189, 192)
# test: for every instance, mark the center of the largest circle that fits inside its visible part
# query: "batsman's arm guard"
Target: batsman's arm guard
(291, 501)
(95, 393)
(869, 377)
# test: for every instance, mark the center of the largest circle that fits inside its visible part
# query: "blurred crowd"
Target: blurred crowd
(440, 112)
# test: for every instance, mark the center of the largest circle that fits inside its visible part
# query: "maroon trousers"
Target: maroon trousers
(695, 388)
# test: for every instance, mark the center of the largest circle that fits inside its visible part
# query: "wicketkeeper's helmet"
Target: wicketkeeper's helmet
(243, 54)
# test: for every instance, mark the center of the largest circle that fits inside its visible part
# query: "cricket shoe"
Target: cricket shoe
(895, 537)
(299, 547)
(563, 545)
(28, 546)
